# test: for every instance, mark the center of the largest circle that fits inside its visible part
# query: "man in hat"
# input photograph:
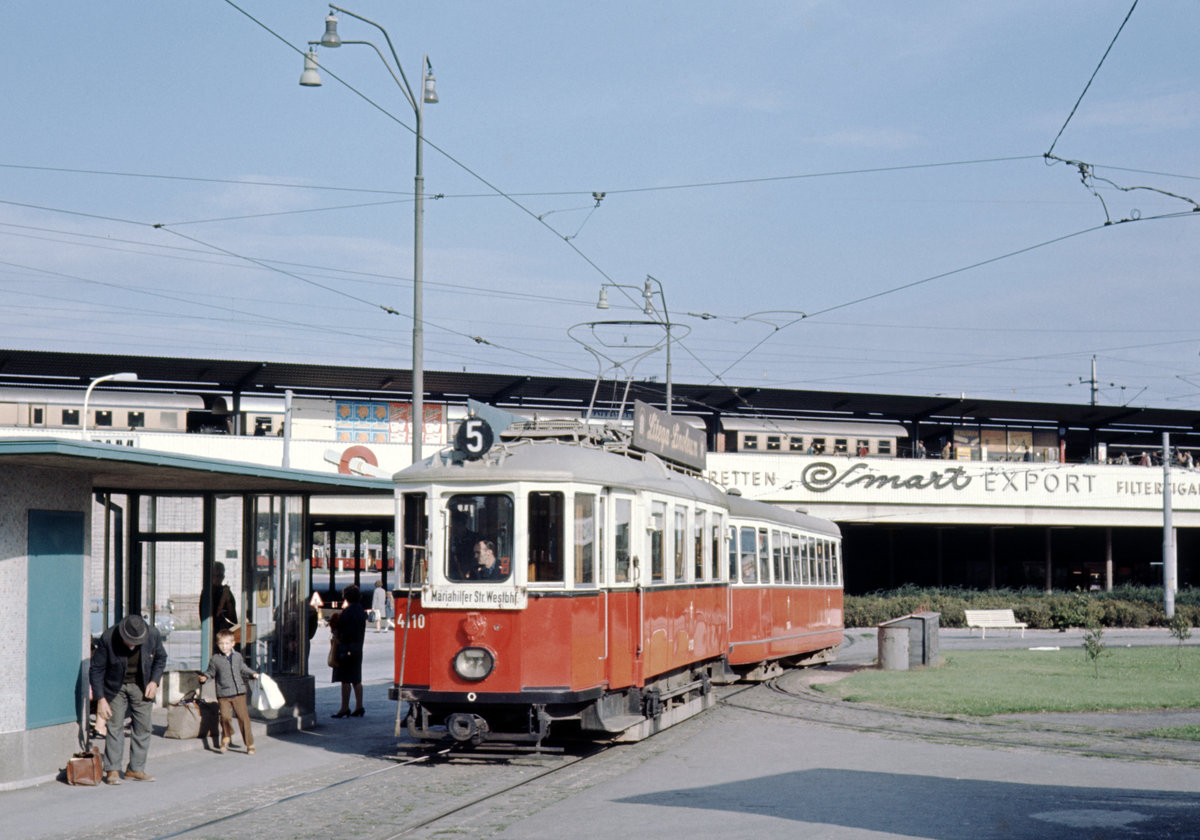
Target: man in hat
(127, 665)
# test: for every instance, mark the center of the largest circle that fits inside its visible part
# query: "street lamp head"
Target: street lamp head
(310, 77)
(331, 37)
(603, 302)
(429, 95)
(127, 376)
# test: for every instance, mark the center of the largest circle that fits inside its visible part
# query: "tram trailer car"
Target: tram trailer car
(616, 598)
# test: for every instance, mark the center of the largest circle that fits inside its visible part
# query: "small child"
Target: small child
(231, 673)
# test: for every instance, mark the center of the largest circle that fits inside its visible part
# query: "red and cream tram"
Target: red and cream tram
(566, 584)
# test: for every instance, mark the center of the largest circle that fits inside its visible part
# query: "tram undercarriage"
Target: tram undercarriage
(627, 715)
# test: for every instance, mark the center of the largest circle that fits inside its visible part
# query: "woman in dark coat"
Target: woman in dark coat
(351, 631)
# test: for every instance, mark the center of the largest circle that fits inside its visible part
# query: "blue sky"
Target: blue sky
(868, 165)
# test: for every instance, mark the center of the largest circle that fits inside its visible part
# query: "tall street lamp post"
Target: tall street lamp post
(311, 78)
(126, 376)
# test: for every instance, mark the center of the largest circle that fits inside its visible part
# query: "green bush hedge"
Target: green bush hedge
(1125, 606)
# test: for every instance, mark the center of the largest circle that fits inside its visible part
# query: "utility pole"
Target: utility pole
(1168, 532)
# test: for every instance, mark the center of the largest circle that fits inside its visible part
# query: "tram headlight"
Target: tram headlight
(474, 663)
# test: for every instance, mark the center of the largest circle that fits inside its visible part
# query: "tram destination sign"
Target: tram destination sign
(667, 436)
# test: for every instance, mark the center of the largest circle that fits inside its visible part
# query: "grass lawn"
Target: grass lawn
(1001, 681)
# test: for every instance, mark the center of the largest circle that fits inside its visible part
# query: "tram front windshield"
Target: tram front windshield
(479, 545)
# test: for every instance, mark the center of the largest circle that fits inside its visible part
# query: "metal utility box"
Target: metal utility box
(922, 636)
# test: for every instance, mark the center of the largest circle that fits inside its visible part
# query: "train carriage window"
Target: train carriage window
(817, 446)
(658, 524)
(795, 444)
(764, 557)
(883, 447)
(749, 555)
(587, 535)
(679, 544)
(415, 538)
(862, 447)
(839, 446)
(622, 536)
(546, 524)
(700, 569)
(749, 441)
(70, 416)
(39, 416)
(479, 547)
(136, 419)
(103, 419)
(777, 556)
(773, 443)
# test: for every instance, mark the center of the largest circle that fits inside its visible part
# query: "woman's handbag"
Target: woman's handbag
(85, 768)
(331, 660)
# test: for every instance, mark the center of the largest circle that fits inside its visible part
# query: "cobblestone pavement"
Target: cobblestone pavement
(762, 762)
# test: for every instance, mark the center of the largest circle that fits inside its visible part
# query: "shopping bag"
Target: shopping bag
(85, 768)
(184, 718)
(258, 698)
(271, 695)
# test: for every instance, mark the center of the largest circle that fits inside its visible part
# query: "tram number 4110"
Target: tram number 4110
(416, 622)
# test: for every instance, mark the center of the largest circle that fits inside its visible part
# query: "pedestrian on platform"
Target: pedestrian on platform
(127, 665)
(351, 631)
(232, 675)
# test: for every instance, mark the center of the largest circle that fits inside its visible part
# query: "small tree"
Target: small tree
(1094, 646)
(1181, 630)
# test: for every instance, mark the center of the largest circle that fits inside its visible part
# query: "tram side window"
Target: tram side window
(835, 563)
(733, 555)
(480, 542)
(546, 515)
(777, 555)
(587, 537)
(820, 577)
(718, 528)
(415, 537)
(679, 543)
(658, 516)
(764, 557)
(796, 541)
(787, 556)
(699, 566)
(622, 526)
(749, 555)
(806, 561)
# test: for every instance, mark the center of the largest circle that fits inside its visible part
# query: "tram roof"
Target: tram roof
(123, 469)
(751, 508)
(31, 368)
(559, 461)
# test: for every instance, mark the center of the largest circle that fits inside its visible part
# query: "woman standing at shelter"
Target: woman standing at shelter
(351, 631)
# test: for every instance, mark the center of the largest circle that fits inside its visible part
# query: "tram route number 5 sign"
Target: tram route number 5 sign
(474, 438)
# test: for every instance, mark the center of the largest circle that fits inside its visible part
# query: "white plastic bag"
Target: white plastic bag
(268, 694)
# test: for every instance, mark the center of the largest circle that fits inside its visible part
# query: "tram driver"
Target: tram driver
(486, 567)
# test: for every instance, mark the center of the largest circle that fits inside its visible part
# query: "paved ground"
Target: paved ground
(763, 763)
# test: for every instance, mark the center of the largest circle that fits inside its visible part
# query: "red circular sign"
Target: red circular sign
(353, 452)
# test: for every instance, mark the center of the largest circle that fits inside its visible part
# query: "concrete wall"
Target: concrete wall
(31, 756)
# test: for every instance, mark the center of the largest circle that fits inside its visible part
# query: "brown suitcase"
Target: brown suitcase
(85, 768)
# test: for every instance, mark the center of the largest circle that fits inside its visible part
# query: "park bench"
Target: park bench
(994, 620)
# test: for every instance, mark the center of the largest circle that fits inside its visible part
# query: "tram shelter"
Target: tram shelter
(90, 532)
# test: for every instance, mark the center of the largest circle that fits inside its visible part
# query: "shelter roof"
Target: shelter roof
(122, 469)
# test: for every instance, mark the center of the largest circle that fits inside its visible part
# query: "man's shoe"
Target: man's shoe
(138, 776)
(112, 777)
